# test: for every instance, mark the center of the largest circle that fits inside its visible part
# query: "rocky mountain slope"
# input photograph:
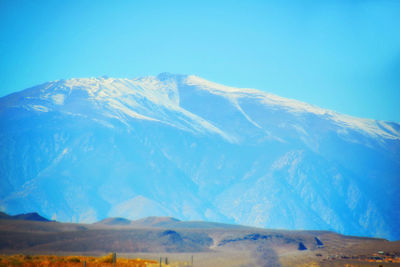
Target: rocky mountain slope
(80, 150)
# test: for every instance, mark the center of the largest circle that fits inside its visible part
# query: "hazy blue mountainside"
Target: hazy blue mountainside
(84, 149)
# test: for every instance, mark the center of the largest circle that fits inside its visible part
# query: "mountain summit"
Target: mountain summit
(181, 146)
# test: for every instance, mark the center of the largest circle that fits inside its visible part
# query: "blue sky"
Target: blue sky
(342, 55)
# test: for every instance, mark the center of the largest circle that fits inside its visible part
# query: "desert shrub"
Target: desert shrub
(73, 259)
(15, 262)
(106, 259)
(28, 257)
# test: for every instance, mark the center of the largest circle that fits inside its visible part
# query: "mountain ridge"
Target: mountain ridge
(31, 216)
(184, 147)
(383, 128)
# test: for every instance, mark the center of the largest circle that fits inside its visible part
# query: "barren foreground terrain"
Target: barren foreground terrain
(206, 244)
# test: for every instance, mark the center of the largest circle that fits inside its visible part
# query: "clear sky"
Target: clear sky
(342, 55)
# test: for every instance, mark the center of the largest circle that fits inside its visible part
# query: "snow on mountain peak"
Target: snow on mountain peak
(370, 126)
(157, 98)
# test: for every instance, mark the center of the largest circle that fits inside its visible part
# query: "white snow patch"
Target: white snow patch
(39, 108)
(65, 151)
(245, 114)
(118, 106)
(58, 99)
(61, 156)
(205, 125)
(104, 123)
(372, 127)
(211, 86)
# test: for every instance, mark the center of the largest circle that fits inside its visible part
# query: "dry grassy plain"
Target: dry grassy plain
(75, 261)
(70, 261)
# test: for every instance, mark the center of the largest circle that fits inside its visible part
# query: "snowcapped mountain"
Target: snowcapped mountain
(174, 145)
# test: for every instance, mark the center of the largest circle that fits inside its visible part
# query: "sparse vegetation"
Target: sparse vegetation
(70, 261)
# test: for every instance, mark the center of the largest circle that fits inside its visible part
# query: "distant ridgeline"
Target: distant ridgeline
(33, 216)
(80, 150)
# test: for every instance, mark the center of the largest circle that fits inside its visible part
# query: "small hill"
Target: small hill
(154, 221)
(4, 216)
(114, 221)
(32, 216)
(206, 225)
(168, 222)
